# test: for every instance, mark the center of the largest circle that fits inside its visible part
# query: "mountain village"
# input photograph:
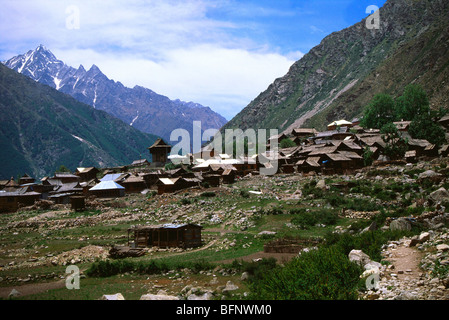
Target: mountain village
(348, 199)
(339, 150)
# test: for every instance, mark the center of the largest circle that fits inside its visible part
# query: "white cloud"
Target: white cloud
(224, 79)
(172, 47)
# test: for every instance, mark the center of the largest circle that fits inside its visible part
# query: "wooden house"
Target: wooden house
(60, 198)
(116, 177)
(89, 184)
(71, 188)
(304, 133)
(309, 165)
(3, 184)
(66, 177)
(134, 184)
(151, 178)
(166, 236)
(170, 185)
(228, 176)
(339, 124)
(26, 179)
(160, 151)
(419, 145)
(11, 201)
(336, 164)
(276, 139)
(140, 163)
(212, 179)
(87, 174)
(78, 203)
(288, 168)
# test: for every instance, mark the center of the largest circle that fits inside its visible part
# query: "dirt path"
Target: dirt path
(33, 288)
(406, 263)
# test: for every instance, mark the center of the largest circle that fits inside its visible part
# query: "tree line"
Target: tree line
(413, 105)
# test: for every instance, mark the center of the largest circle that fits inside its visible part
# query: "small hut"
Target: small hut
(167, 235)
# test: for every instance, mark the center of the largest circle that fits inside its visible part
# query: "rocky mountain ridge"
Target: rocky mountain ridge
(338, 77)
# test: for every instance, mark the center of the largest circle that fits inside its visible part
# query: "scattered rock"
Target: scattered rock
(158, 297)
(230, 286)
(442, 247)
(439, 195)
(117, 296)
(204, 296)
(401, 224)
(428, 174)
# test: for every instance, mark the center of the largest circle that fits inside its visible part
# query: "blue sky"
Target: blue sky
(220, 53)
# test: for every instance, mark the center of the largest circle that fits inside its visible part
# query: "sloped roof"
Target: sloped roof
(350, 154)
(107, 185)
(338, 157)
(112, 177)
(339, 123)
(323, 150)
(85, 170)
(159, 143)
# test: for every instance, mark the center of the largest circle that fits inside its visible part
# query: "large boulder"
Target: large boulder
(439, 195)
(359, 257)
(401, 224)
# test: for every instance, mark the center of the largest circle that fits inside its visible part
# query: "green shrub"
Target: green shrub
(308, 219)
(107, 268)
(311, 189)
(323, 274)
(185, 201)
(208, 194)
(244, 194)
(370, 242)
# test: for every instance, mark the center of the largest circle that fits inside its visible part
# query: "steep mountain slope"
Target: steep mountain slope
(140, 107)
(423, 60)
(42, 129)
(335, 75)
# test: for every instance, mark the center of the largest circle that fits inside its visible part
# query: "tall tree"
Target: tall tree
(379, 112)
(423, 127)
(413, 103)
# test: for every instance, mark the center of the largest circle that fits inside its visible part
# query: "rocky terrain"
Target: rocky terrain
(36, 244)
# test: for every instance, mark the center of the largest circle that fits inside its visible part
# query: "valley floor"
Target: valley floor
(239, 221)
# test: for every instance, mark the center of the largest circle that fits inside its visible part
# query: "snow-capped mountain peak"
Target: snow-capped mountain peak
(157, 114)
